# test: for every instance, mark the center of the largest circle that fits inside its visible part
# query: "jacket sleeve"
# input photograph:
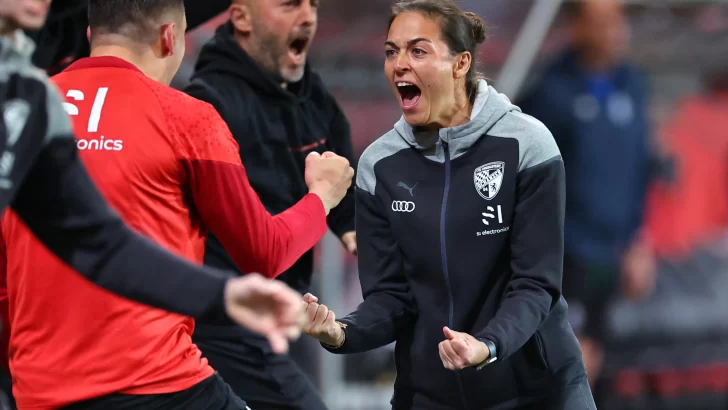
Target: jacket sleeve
(228, 205)
(537, 249)
(341, 219)
(388, 307)
(61, 206)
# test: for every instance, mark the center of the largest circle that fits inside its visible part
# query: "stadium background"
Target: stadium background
(670, 351)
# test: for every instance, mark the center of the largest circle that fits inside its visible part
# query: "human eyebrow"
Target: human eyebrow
(417, 40)
(410, 43)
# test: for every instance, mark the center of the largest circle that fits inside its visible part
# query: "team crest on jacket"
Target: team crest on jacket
(488, 179)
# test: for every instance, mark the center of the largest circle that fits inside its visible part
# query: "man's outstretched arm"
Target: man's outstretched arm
(255, 240)
(60, 204)
(62, 207)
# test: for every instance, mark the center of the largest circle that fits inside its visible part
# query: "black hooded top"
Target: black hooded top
(276, 128)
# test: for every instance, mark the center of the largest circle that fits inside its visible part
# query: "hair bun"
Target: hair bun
(477, 25)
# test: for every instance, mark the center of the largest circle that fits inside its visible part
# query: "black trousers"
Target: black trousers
(210, 394)
(265, 380)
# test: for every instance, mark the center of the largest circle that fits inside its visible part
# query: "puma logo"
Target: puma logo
(403, 185)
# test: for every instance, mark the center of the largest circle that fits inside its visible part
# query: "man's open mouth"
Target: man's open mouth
(409, 93)
(299, 46)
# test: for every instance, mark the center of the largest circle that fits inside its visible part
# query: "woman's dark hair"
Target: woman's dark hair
(462, 31)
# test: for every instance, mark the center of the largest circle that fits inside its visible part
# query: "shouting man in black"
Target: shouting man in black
(254, 72)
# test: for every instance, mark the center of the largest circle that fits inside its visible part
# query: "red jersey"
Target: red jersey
(168, 164)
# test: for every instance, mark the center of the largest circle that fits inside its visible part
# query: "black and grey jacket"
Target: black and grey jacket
(43, 180)
(464, 228)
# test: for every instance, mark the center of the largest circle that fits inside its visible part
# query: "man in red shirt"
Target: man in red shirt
(167, 163)
(44, 181)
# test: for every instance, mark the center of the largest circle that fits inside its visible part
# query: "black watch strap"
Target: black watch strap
(492, 357)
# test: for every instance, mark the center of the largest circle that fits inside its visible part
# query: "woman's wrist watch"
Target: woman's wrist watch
(492, 356)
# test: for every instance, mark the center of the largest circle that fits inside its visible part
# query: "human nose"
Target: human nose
(401, 63)
(309, 13)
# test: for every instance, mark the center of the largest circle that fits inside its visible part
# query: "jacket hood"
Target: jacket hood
(489, 108)
(222, 54)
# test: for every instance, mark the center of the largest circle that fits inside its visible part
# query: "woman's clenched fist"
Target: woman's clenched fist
(321, 323)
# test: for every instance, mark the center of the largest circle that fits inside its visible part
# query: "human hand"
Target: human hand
(349, 240)
(639, 272)
(460, 350)
(321, 323)
(592, 353)
(328, 176)
(268, 307)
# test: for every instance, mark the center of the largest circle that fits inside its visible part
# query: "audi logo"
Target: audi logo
(403, 206)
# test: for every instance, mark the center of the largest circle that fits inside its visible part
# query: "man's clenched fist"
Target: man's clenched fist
(268, 307)
(321, 323)
(460, 350)
(329, 176)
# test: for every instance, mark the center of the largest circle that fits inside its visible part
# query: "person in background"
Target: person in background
(168, 165)
(62, 39)
(254, 72)
(595, 104)
(460, 212)
(691, 211)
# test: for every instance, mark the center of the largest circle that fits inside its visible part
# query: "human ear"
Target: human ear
(168, 39)
(241, 17)
(463, 61)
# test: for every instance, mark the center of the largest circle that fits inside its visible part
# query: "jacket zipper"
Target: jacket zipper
(443, 253)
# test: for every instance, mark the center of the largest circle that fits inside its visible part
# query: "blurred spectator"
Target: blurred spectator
(686, 221)
(692, 211)
(594, 103)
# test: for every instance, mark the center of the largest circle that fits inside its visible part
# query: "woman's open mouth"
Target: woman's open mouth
(409, 94)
